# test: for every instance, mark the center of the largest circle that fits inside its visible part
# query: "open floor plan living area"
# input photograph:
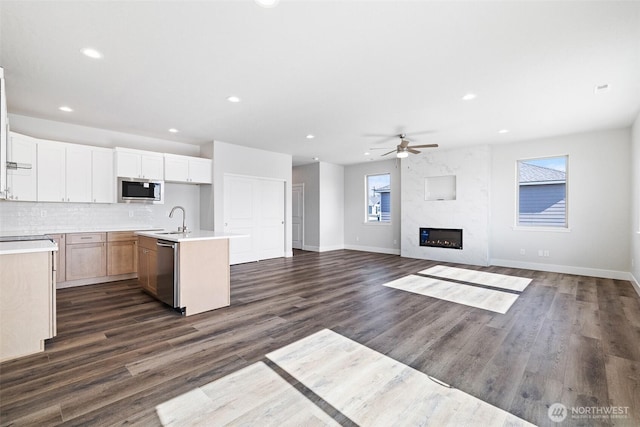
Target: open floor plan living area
(320, 213)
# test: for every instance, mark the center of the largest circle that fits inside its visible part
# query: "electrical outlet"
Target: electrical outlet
(546, 252)
(357, 238)
(395, 242)
(522, 251)
(43, 213)
(130, 214)
(540, 252)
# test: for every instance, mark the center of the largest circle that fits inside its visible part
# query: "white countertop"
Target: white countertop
(68, 231)
(191, 236)
(29, 246)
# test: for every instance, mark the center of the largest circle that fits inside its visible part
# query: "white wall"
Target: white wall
(371, 237)
(309, 175)
(331, 207)
(323, 205)
(597, 204)
(66, 132)
(470, 210)
(635, 204)
(238, 160)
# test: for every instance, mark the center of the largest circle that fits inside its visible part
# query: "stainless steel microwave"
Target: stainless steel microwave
(135, 190)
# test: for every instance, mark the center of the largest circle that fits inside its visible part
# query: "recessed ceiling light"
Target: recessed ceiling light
(316, 159)
(469, 97)
(267, 3)
(233, 98)
(91, 53)
(174, 130)
(310, 136)
(65, 109)
(367, 153)
(601, 88)
(503, 131)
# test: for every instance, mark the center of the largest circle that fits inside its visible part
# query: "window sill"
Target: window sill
(543, 229)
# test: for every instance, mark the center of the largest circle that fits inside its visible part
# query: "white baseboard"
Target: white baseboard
(389, 251)
(635, 283)
(566, 269)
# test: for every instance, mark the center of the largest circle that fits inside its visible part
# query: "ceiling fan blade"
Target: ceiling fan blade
(411, 150)
(404, 143)
(425, 146)
(379, 148)
(392, 151)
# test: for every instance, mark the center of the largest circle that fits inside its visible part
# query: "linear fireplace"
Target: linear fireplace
(441, 237)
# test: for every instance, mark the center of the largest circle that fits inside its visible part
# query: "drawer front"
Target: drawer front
(148, 243)
(75, 238)
(121, 236)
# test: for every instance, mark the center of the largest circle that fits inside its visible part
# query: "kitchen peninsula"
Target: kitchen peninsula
(189, 271)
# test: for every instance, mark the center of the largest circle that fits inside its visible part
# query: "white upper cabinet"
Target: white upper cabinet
(103, 180)
(78, 173)
(21, 181)
(139, 164)
(51, 171)
(194, 170)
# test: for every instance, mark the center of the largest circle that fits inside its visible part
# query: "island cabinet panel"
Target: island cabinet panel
(147, 264)
(122, 253)
(60, 256)
(204, 275)
(86, 255)
(27, 305)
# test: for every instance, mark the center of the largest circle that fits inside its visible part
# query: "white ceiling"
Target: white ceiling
(341, 70)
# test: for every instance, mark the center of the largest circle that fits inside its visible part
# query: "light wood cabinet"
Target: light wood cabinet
(28, 303)
(60, 256)
(193, 170)
(86, 255)
(122, 253)
(147, 264)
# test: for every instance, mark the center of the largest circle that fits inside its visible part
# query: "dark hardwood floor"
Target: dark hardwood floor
(119, 353)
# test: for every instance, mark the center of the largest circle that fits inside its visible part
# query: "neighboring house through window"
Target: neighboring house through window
(542, 192)
(378, 198)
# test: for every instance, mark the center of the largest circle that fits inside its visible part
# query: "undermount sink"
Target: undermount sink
(173, 232)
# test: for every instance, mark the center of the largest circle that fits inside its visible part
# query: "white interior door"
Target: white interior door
(271, 219)
(255, 207)
(297, 220)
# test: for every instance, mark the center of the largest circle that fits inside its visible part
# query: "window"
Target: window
(542, 192)
(378, 198)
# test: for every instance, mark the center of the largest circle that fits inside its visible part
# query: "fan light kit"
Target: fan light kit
(91, 53)
(403, 149)
(267, 3)
(65, 109)
(173, 130)
(233, 98)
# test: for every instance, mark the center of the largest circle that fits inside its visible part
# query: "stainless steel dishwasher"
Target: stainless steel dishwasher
(167, 279)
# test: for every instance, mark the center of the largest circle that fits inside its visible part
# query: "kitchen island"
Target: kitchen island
(188, 271)
(27, 296)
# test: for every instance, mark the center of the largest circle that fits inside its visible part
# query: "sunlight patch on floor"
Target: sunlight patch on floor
(494, 280)
(473, 296)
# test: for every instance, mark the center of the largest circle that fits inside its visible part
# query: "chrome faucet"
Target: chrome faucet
(184, 228)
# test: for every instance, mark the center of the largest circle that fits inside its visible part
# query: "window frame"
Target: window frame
(367, 219)
(539, 226)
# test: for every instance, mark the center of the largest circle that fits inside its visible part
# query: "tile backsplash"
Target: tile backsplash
(36, 217)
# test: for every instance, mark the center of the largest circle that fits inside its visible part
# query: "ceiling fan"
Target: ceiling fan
(403, 149)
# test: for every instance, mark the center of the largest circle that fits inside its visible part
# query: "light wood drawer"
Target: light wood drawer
(75, 238)
(121, 236)
(148, 243)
